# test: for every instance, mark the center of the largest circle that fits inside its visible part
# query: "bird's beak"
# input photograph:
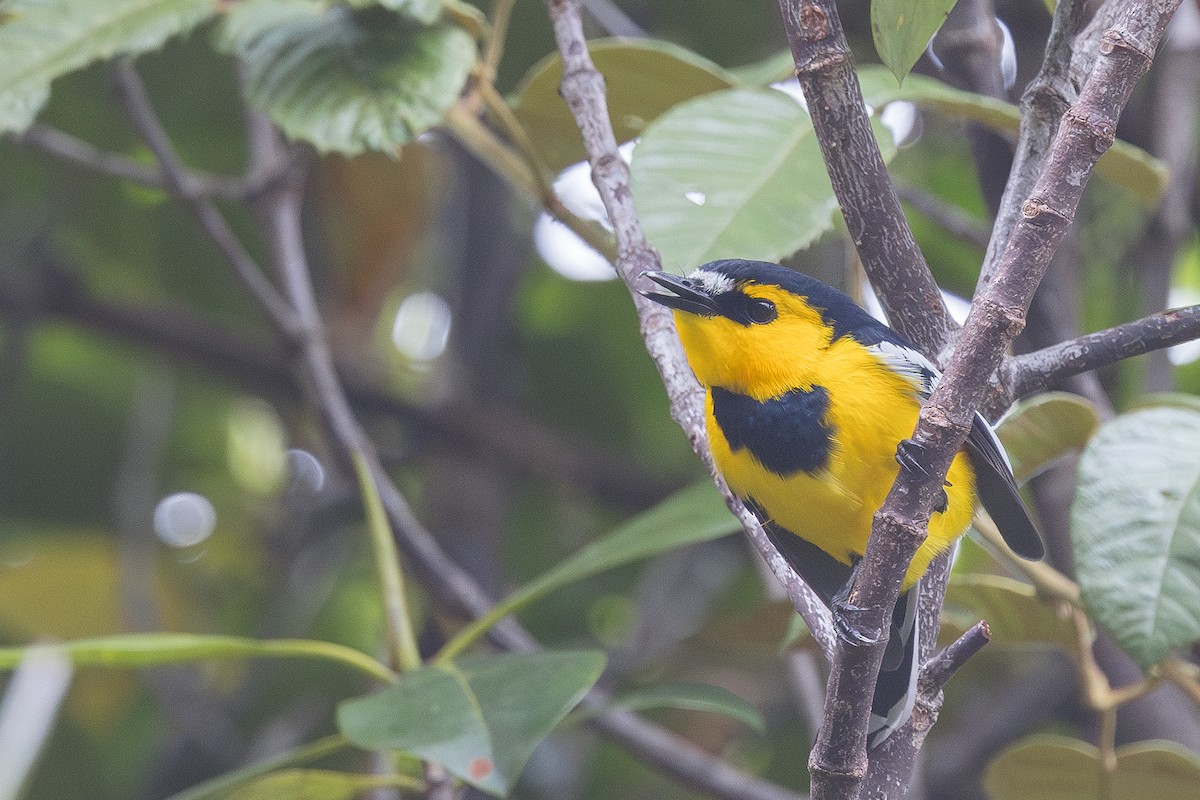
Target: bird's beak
(683, 295)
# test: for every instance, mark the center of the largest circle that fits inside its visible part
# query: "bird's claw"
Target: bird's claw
(909, 455)
(849, 630)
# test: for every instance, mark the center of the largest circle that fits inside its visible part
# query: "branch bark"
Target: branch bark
(839, 761)
(583, 90)
(298, 317)
(1040, 369)
(864, 190)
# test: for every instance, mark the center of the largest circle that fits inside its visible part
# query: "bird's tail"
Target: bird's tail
(896, 690)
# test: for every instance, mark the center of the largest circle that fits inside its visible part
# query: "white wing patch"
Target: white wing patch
(924, 376)
(908, 364)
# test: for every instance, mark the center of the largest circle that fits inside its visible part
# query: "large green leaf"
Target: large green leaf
(1013, 611)
(695, 514)
(1041, 429)
(736, 173)
(1130, 167)
(1058, 768)
(1135, 529)
(480, 717)
(41, 40)
(347, 80)
(902, 30)
(643, 79)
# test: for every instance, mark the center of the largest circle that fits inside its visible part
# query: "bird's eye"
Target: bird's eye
(761, 311)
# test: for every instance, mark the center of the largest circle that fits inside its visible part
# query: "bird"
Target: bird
(809, 405)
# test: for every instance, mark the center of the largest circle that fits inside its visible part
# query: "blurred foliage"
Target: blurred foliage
(98, 421)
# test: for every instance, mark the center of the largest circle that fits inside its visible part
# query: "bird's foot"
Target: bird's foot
(848, 625)
(910, 454)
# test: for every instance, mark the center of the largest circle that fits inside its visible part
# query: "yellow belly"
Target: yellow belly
(833, 507)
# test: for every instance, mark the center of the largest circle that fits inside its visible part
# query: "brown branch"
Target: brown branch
(281, 210)
(864, 190)
(839, 761)
(1040, 369)
(939, 670)
(1045, 99)
(261, 366)
(280, 206)
(583, 90)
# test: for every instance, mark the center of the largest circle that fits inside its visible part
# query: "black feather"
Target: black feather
(997, 490)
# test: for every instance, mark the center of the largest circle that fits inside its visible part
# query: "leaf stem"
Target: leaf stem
(501, 14)
(405, 653)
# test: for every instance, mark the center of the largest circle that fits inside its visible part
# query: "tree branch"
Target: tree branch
(583, 91)
(839, 761)
(178, 180)
(76, 151)
(1046, 98)
(676, 757)
(1032, 372)
(864, 190)
(280, 206)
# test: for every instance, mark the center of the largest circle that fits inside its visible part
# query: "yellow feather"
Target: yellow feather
(871, 409)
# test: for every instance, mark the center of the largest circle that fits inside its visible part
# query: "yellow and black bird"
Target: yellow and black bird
(808, 400)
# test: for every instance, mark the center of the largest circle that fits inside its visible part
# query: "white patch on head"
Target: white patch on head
(712, 283)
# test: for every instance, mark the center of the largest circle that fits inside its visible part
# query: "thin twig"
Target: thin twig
(1032, 372)
(262, 367)
(501, 15)
(950, 219)
(938, 671)
(141, 113)
(74, 150)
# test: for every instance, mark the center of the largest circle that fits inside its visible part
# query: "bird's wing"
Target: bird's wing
(994, 482)
(997, 490)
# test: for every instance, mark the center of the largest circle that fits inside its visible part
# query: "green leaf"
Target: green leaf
(643, 78)
(1174, 399)
(45, 39)
(1059, 768)
(153, 649)
(695, 514)
(221, 785)
(778, 67)
(902, 30)
(733, 174)
(480, 718)
(1014, 612)
(690, 697)
(1041, 429)
(1135, 529)
(347, 80)
(424, 11)
(1130, 167)
(317, 784)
